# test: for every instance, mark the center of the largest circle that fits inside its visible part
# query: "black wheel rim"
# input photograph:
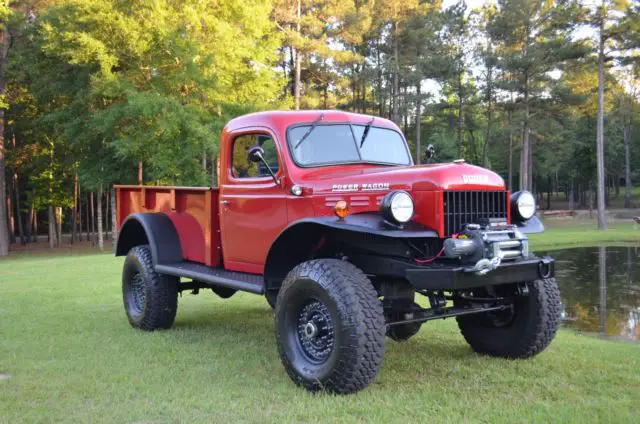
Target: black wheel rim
(137, 293)
(503, 318)
(315, 331)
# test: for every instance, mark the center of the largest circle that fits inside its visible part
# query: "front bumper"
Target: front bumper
(455, 277)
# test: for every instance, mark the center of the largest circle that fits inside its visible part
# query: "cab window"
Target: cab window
(242, 167)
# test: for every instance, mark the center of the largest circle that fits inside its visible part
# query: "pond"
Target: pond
(600, 290)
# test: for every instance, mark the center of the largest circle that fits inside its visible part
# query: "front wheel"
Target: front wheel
(150, 299)
(329, 327)
(522, 331)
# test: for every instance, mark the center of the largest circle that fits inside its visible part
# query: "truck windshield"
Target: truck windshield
(340, 143)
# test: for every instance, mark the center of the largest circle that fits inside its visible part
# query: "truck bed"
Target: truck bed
(193, 211)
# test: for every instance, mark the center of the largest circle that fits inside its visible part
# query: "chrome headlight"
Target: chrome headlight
(397, 207)
(523, 205)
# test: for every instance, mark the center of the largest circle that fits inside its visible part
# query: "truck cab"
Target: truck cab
(325, 213)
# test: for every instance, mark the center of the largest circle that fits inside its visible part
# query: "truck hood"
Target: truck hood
(434, 177)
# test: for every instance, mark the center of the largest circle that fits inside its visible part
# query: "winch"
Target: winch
(487, 244)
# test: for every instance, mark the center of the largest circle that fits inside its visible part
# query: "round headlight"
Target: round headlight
(523, 204)
(397, 206)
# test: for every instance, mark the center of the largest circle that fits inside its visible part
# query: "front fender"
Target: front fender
(301, 239)
(370, 223)
(531, 226)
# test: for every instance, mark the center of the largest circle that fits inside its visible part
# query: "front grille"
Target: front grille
(469, 207)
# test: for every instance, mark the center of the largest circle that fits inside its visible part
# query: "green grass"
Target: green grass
(561, 233)
(67, 354)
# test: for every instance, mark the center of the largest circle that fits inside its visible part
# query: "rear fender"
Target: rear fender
(156, 230)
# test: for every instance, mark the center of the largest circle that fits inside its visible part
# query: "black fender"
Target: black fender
(297, 242)
(531, 226)
(154, 229)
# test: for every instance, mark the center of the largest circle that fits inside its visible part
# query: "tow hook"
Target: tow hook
(484, 266)
(545, 267)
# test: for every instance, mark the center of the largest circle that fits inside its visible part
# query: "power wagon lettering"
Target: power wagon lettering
(342, 188)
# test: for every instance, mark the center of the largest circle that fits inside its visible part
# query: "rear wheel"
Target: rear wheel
(521, 331)
(150, 299)
(329, 326)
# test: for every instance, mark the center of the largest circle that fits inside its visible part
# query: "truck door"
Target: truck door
(253, 208)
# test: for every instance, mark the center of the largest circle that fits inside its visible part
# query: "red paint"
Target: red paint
(191, 236)
(193, 210)
(251, 212)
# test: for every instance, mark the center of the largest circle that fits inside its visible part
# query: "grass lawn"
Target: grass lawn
(67, 354)
(560, 233)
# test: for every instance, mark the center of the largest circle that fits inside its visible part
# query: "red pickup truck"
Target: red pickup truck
(325, 214)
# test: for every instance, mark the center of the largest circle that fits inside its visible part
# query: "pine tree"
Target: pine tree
(534, 39)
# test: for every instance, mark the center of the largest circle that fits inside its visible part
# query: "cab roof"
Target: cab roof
(280, 120)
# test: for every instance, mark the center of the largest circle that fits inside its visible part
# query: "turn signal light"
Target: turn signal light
(341, 209)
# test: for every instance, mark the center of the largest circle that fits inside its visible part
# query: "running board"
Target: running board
(215, 276)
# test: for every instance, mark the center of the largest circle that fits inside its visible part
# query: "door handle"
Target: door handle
(225, 202)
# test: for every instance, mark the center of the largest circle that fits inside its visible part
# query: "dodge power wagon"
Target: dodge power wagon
(325, 214)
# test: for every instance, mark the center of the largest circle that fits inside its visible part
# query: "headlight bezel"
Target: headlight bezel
(394, 198)
(520, 199)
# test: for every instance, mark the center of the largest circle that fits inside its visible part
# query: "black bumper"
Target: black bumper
(456, 278)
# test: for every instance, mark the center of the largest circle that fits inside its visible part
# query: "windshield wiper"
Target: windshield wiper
(366, 131)
(311, 128)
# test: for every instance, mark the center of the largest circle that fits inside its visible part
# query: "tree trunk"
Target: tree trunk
(99, 218)
(16, 191)
(52, 228)
(5, 40)
(29, 222)
(510, 172)
(114, 223)
(140, 173)
(80, 236)
(215, 171)
(525, 177)
(59, 223)
(35, 227)
(88, 224)
(571, 200)
(396, 72)
(489, 99)
(296, 88)
(461, 149)
(602, 224)
(549, 189)
(9, 206)
(74, 212)
(405, 113)
(379, 81)
(418, 122)
(107, 205)
(627, 166)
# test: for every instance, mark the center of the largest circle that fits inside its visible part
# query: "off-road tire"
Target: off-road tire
(533, 326)
(272, 298)
(357, 321)
(156, 306)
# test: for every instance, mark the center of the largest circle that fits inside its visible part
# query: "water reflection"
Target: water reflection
(600, 290)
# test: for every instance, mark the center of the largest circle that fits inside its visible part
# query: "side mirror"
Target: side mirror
(430, 153)
(256, 154)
